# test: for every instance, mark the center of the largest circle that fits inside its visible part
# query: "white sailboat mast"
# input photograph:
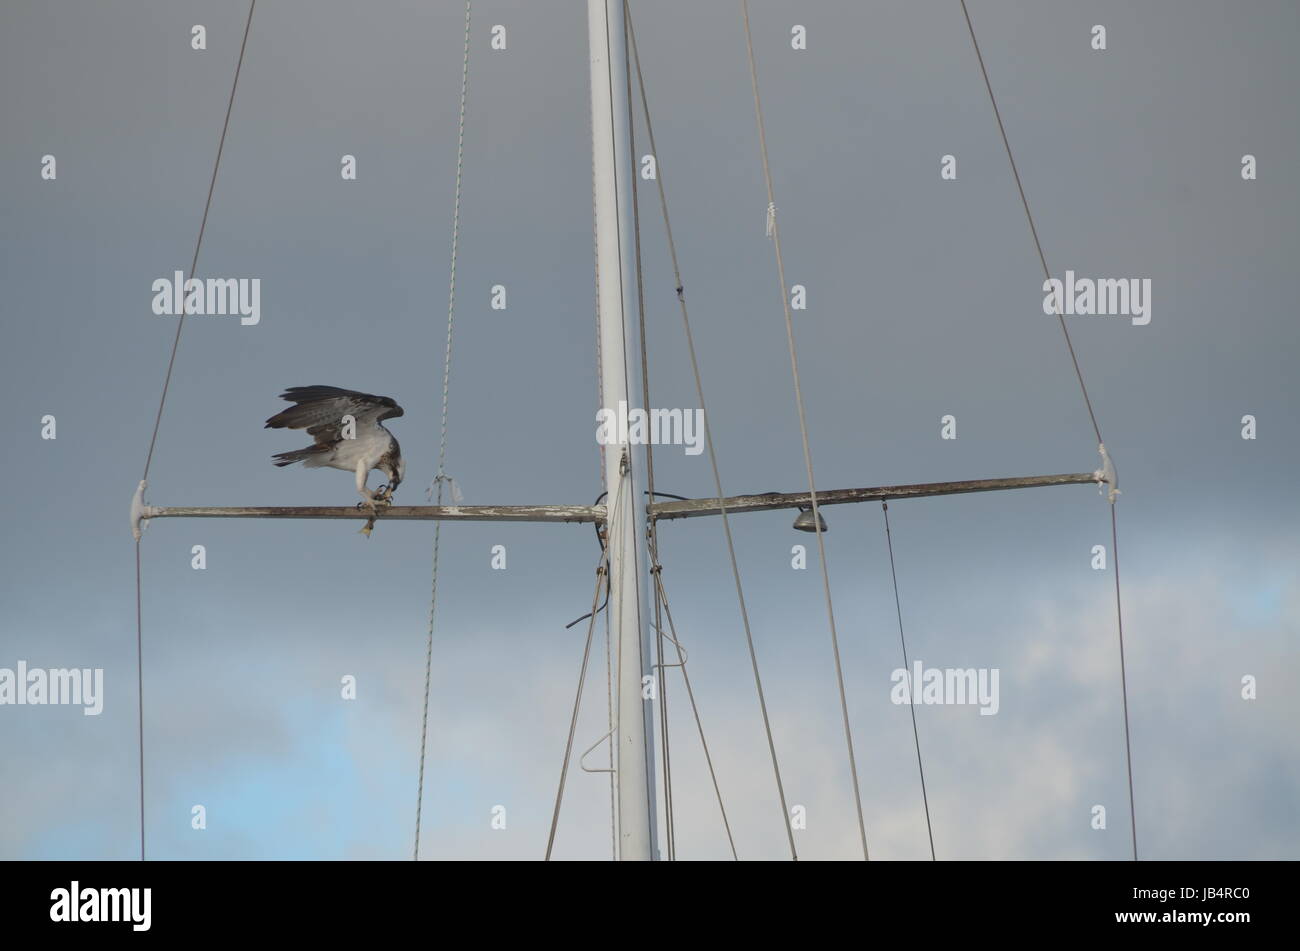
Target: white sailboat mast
(624, 464)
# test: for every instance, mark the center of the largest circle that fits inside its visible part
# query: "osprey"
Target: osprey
(349, 432)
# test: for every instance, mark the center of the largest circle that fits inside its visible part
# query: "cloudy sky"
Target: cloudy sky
(924, 299)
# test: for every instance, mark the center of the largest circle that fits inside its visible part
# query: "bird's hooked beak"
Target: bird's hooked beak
(395, 476)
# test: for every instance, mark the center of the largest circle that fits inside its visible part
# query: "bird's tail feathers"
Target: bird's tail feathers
(296, 455)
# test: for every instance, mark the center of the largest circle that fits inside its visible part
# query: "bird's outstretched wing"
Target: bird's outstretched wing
(320, 411)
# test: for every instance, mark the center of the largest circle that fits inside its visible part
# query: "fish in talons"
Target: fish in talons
(379, 501)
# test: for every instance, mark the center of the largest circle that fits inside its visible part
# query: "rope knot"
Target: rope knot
(456, 497)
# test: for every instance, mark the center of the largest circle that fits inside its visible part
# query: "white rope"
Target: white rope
(775, 235)
(442, 478)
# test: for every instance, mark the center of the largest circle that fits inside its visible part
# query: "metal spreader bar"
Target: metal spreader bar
(694, 508)
(689, 508)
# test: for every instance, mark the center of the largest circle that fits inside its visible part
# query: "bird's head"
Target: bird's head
(393, 466)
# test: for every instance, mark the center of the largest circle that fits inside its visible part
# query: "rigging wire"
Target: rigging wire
(713, 456)
(907, 666)
(601, 540)
(662, 595)
(609, 737)
(1123, 676)
(577, 705)
(602, 566)
(661, 682)
(652, 532)
(1033, 230)
(1047, 275)
(198, 244)
(774, 233)
(441, 479)
(162, 402)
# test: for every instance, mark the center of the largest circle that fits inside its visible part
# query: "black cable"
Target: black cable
(162, 402)
(1047, 274)
(916, 735)
(601, 540)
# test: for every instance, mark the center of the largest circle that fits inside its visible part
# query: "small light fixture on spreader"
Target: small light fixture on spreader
(806, 522)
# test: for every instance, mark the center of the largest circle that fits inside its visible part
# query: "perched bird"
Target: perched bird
(349, 432)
